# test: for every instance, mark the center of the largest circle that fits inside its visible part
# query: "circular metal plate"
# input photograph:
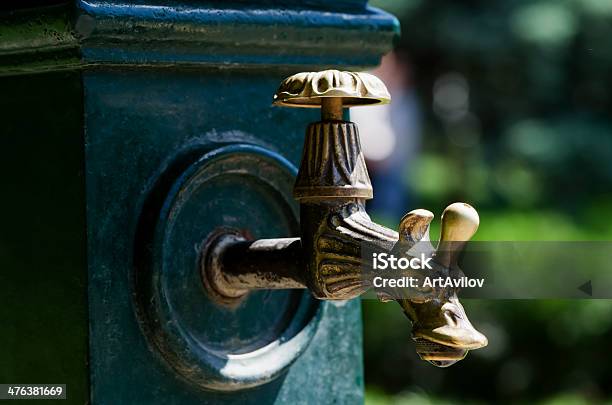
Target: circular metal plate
(247, 189)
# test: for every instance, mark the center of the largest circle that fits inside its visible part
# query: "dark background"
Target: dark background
(514, 102)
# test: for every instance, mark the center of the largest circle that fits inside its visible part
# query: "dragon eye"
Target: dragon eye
(452, 317)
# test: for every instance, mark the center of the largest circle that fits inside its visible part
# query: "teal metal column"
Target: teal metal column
(176, 101)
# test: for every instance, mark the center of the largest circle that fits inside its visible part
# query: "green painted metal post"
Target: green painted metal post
(131, 130)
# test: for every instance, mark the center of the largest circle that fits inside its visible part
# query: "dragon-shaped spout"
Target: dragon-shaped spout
(441, 329)
(337, 268)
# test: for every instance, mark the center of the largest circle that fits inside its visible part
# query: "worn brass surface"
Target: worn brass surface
(333, 165)
(308, 89)
(440, 322)
(332, 186)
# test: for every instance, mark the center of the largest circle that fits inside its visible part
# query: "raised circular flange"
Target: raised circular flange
(246, 189)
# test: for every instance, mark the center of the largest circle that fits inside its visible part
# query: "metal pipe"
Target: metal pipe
(231, 266)
(264, 263)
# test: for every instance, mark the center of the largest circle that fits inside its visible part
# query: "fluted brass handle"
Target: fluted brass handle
(311, 89)
(331, 90)
(332, 186)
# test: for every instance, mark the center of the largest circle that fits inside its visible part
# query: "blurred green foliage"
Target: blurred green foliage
(516, 99)
(533, 126)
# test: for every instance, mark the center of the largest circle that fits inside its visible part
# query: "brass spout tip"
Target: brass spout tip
(438, 354)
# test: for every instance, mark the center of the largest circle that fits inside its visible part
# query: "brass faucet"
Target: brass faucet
(332, 186)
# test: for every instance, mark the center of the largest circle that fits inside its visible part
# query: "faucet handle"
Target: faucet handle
(331, 90)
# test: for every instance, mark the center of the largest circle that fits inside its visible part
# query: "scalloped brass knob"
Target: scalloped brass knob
(331, 90)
